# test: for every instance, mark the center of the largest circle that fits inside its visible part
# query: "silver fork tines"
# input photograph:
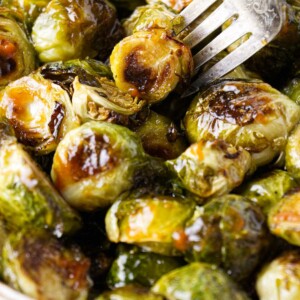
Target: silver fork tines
(259, 19)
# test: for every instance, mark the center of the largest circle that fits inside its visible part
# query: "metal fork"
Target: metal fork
(260, 19)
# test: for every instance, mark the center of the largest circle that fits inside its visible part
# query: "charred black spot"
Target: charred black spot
(56, 119)
(137, 74)
(7, 66)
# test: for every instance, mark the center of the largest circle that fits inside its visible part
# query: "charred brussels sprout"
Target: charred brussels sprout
(160, 137)
(267, 189)
(29, 9)
(144, 268)
(150, 16)
(211, 168)
(39, 111)
(26, 196)
(95, 163)
(76, 29)
(148, 221)
(283, 218)
(175, 5)
(280, 279)
(292, 153)
(230, 232)
(102, 100)
(150, 64)
(198, 281)
(129, 292)
(39, 266)
(16, 52)
(251, 115)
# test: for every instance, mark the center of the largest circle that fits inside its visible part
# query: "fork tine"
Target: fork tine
(227, 64)
(222, 41)
(210, 24)
(195, 9)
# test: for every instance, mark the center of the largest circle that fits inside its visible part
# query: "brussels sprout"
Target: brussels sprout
(129, 292)
(268, 188)
(292, 153)
(134, 266)
(102, 100)
(150, 16)
(30, 9)
(39, 266)
(39, 111)
(26, 196)
(176, 5)
(198, 281)
(230, 232)
(292, 90)
(150, 64)
(95, 163)
(280, 279)
(211, 168)
(76, 29)
(160, 137)
(148, 221)
(16, 52)
(252, 115)
(283, 218)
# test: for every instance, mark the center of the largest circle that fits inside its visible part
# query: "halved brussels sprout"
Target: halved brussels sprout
(211, 168)
(26, 196)
(102, 100)
(76, 29)
(292, 153)
(230, 232)
(95, 163)
(39, 266)
(198, 281)
(150, 16)
(176, 5)
(284, 217)
(137, 267)
(39, 111)
(150, 64)
(129, 292)
(29, 9)
(251, 115)
(148, 221)
(268, 188)
(160, 137)
(280, 279)
(16, 52)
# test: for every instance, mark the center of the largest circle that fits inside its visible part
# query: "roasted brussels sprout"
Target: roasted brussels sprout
(76, 29)
(39, 266)
(150, 16)
(137, 267)
(292, 153)
(268, 188)
(280, 279)
(150, 63)
(95, 163)
(29, 9)
(198, 281)
(211, 168)
(230, 232)
(176, 5)
(252, 115)
(283, 218)
(40, 112)
(160, 137)
(148, 221)
(103, 100)
(129, 292)
(26, 196)
(16, 52)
